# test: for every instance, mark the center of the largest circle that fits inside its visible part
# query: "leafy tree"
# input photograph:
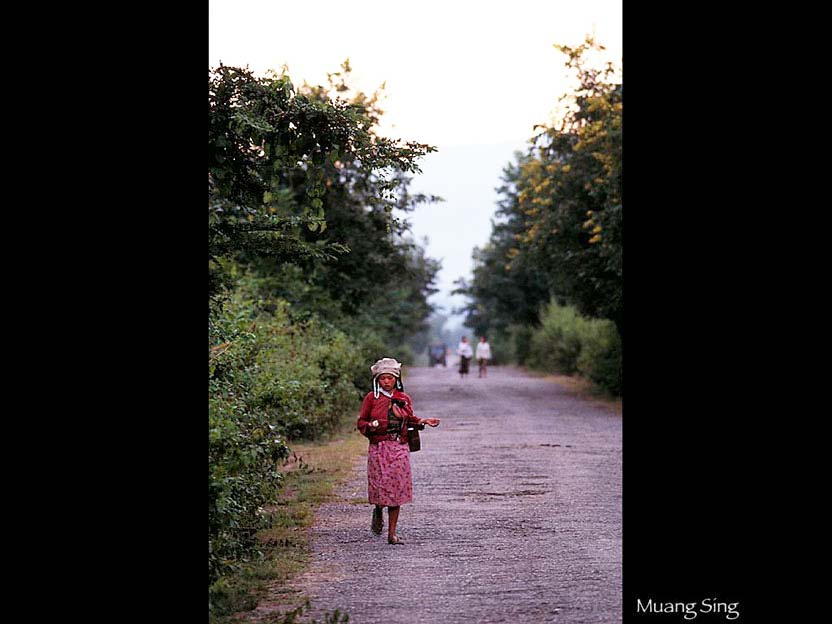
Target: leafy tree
(385, 279)
(311, 275)
(559, 227)
(273, 152)
(506, 288)
(572, 192)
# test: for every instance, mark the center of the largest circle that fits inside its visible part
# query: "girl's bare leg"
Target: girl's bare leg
(392, 521)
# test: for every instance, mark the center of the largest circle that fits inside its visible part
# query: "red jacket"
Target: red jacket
(376, 409)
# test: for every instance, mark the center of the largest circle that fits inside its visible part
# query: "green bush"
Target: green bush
(556, 344)
(276, 374)
(601, 357)
(519, 342)
(272, 379)
(404, 354)
(568, 343)
(243, 447)
(369, 347)
(302, 380)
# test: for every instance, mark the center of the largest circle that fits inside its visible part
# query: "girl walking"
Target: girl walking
(385, 415)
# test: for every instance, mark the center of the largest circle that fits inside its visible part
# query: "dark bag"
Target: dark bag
(414, 441)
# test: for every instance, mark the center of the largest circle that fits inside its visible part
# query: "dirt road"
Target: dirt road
(516, 514)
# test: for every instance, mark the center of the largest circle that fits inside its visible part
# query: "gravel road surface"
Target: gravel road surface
(516, 514)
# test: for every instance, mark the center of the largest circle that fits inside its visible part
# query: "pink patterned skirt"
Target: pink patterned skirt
(389, 481)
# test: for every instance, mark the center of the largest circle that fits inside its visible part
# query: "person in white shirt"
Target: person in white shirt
(465, 354)
(483, 355)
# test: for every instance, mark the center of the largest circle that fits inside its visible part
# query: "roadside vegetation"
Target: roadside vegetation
(547, 287)
(314, 274)
(310, 476)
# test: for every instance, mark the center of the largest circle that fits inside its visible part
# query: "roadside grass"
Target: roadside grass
(582, 388)
(312, 473)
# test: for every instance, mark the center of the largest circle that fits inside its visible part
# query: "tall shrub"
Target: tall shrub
(272, 379)
(520, 341)
(244, 448)
(556, 344)
(601, 356)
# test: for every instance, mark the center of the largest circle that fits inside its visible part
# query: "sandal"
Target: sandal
(378, 521)
(395, 540)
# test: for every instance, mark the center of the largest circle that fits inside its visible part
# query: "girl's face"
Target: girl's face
(387, 381)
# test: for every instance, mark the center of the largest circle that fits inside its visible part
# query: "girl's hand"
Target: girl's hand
(433, 422)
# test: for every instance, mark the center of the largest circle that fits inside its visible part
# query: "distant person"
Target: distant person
(483, 355)
(465, 354)
(385, 415)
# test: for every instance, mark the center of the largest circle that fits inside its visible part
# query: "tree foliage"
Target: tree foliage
(278, 157)
(558, 230)
(312, 276)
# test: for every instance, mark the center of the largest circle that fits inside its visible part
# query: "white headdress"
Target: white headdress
(388, 366)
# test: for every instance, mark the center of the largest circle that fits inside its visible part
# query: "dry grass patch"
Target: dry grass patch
(584, 389)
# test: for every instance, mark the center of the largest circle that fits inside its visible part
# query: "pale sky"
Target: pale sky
(469, 77)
